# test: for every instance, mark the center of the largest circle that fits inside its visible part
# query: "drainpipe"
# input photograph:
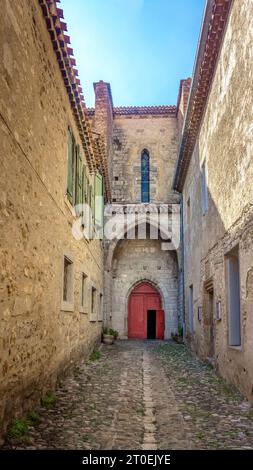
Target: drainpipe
(182, 259)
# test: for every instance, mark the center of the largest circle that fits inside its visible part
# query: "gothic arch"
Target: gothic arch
(148, 280)
(112, 245)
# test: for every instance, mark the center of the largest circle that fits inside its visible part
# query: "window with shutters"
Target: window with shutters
(233, 296)
(76, 177)
(79, 181)
(92, 214)
(145, 196)
(71, 165)
(99, 203)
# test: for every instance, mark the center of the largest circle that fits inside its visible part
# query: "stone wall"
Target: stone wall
(132, 134)
(37, 339)
(225, 143)
(138, 260)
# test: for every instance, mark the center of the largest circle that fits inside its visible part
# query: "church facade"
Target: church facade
(141, 152)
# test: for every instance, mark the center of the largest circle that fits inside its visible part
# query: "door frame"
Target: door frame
(155, 287)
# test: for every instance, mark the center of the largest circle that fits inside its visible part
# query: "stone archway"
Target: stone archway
(145, 314)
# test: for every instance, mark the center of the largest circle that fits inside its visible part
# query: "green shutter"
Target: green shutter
(91, 204)
(99, 206)
(84, 177)
(70, 167)
(79, 176)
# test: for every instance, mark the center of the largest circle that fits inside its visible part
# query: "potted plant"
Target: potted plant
(108, 337)
(178, 337)
(115, 333)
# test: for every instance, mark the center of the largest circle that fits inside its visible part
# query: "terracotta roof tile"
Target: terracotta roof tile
(140, 111)
(66, 63)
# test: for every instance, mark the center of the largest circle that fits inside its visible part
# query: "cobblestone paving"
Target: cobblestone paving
(143, 395)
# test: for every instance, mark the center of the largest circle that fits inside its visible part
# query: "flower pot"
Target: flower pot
(108, 339)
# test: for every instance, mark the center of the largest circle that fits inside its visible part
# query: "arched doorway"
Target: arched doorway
(145, 314)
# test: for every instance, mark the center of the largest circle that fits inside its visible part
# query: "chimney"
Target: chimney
(182, 101)
(103, 117)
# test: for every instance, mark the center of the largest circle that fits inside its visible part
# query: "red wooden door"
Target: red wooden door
(144, 297)
(136, 318)
(160, 324)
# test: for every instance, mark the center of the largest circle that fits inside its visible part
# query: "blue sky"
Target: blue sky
(142, 47)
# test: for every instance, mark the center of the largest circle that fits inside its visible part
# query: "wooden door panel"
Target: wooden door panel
(136, 322)
(160, 324)
(143, 298)
(153, 302)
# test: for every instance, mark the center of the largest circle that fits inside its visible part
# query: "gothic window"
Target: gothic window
(145, 194)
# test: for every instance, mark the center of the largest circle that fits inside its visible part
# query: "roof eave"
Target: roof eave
(193, 116)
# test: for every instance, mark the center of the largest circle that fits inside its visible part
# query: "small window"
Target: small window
(116, 178)
(204, 189)
(84, 293)
(190, 307)
(218, 310)
(93, 299)
(233, 296)
(100, 314)
(68, 284)
(93, 304)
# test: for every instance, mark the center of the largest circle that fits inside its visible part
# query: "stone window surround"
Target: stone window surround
(100, 307)
(84, 308)
(191, 309)
(235, 248)
(65, 305)
(93, 314)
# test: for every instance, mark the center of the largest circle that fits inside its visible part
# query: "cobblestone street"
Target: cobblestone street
(143, 395)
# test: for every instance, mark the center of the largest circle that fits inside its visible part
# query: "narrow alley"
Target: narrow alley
(142, 394)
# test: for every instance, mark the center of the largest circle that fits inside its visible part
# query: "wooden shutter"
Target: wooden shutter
(70, 167)
(85, 185)
(91, 197)
(93, 203)
(79, 176)
(84, 196)
(99, 206)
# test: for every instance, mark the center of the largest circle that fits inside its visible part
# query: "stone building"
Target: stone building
(214, 174)
(51, 281)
